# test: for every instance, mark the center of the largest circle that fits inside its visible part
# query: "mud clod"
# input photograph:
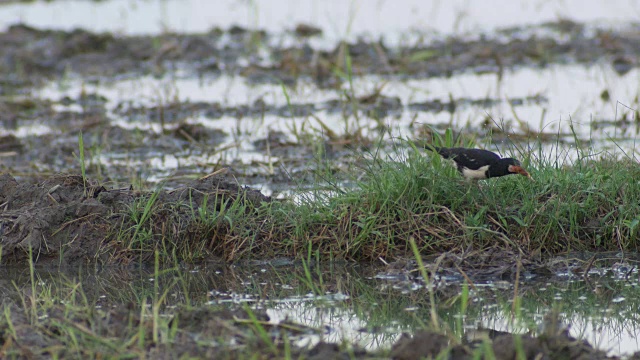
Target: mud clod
(423, 344)
(505, 347)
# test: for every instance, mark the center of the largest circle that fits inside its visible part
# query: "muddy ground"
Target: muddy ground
(34, 55)
(64, 221)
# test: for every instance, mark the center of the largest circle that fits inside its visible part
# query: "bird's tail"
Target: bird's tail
(444, 152)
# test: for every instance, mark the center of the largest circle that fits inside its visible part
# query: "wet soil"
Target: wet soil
(112, 150)
(33, 57)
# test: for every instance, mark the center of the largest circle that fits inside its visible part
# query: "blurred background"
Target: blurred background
(171, 89)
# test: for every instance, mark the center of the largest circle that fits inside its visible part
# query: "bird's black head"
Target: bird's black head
(512, 166)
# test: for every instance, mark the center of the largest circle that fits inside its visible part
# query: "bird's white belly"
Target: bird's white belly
(478, 174)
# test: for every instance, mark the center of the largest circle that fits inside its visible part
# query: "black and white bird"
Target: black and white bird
(478, 164)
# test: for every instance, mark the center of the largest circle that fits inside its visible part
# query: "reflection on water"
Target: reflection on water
(349, 302)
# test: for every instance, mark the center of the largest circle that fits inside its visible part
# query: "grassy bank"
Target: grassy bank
(588, 205)
(591, 204)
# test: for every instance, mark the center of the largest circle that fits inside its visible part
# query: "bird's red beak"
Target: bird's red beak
(515, 169)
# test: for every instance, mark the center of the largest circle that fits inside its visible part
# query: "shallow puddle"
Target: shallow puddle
(546, 100)
(359, 304)
(559, 103)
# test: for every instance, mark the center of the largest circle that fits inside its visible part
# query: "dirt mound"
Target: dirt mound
(65, 221)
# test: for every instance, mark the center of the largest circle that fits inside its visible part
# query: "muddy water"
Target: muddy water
(270, 121)
(363, 305)
(391, 19)
(559, 102)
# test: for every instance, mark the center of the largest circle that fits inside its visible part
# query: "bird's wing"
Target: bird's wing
(446, 153)
(468, 156)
